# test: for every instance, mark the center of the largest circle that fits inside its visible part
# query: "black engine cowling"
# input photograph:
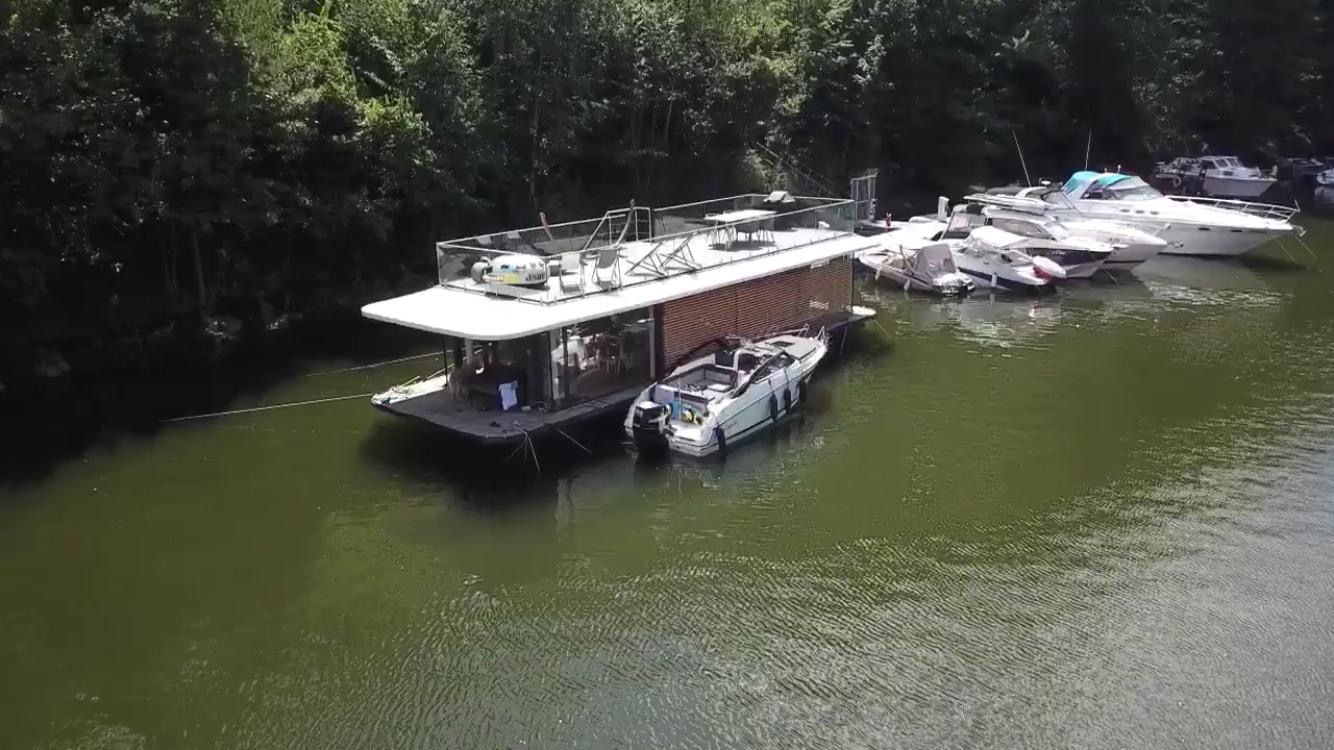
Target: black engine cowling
(649, 425)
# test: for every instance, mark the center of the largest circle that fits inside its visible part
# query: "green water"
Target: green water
(1100, 520)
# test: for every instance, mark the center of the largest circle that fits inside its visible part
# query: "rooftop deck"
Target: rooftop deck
(629, 259)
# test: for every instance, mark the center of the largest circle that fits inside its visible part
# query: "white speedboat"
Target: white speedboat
(916, 263)
(995, 261)
(1222, 176)
(714, 401)
(1042, 237)
(1191, 226)
(1035, 209)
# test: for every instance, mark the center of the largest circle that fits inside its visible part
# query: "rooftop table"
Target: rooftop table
(728, 224)
(728, 217)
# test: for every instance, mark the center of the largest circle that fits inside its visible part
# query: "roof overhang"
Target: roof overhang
(451, 311)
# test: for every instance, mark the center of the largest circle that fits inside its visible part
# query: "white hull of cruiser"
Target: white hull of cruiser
(1130, 246)
(717, 400)
(1238, 187)
(1078, 257)
(1215, 241)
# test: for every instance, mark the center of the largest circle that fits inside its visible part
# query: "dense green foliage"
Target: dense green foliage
(165, 160)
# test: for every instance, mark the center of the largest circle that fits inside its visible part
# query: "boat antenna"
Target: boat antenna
(1088, 150)
(1022, 163)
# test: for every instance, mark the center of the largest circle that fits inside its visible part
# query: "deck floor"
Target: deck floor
(509, 427)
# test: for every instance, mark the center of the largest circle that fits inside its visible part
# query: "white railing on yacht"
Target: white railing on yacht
(1262, 210)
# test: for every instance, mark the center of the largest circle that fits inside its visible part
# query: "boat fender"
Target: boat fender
(801, 392)
(721, 437)
(787, 399)
(1048, 268)
(773, 407)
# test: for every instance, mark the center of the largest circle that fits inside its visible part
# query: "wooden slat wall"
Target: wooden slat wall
(773, 303)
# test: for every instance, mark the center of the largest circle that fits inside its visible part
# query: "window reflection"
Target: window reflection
(601, 356)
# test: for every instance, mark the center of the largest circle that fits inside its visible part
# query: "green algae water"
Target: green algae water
(1101, 519)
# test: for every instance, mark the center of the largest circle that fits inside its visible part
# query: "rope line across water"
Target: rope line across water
(373, 365)
(268, 408)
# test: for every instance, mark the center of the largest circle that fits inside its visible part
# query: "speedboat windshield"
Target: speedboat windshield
(1108, 186)
(1132, 189)
(1058, 199)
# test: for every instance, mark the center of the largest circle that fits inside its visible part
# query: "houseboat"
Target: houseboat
(545, 329)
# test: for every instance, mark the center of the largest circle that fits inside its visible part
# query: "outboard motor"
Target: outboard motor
(649, 426)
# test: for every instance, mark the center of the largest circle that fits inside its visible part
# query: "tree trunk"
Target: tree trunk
(201, 288)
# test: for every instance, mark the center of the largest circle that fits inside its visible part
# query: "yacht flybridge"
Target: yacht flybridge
(544, 328)
(1191, 226)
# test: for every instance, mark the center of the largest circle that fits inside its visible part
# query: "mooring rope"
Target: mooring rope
(373, 365)
(269, 408)
(566, 435)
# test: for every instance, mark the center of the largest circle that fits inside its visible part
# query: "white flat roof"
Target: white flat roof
(461, 309)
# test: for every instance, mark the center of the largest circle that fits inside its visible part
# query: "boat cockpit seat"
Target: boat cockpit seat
(716, 374)
(745, 362)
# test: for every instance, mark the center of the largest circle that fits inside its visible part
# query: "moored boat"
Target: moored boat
(1191, 226)
(995, 261)
(1215, 176)
(916, 263)
(1131, 245)
(716, 400)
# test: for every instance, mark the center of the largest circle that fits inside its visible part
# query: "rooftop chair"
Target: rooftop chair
(571, 272)
(607, 271)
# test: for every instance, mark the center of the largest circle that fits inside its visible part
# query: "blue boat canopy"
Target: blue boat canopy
(1080, 182)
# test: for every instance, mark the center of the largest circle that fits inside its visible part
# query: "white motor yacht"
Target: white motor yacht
(1191, 226)
(1043, 237)
(1222, 176)
(1036, 209)
(916, 263)
(711, 402)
